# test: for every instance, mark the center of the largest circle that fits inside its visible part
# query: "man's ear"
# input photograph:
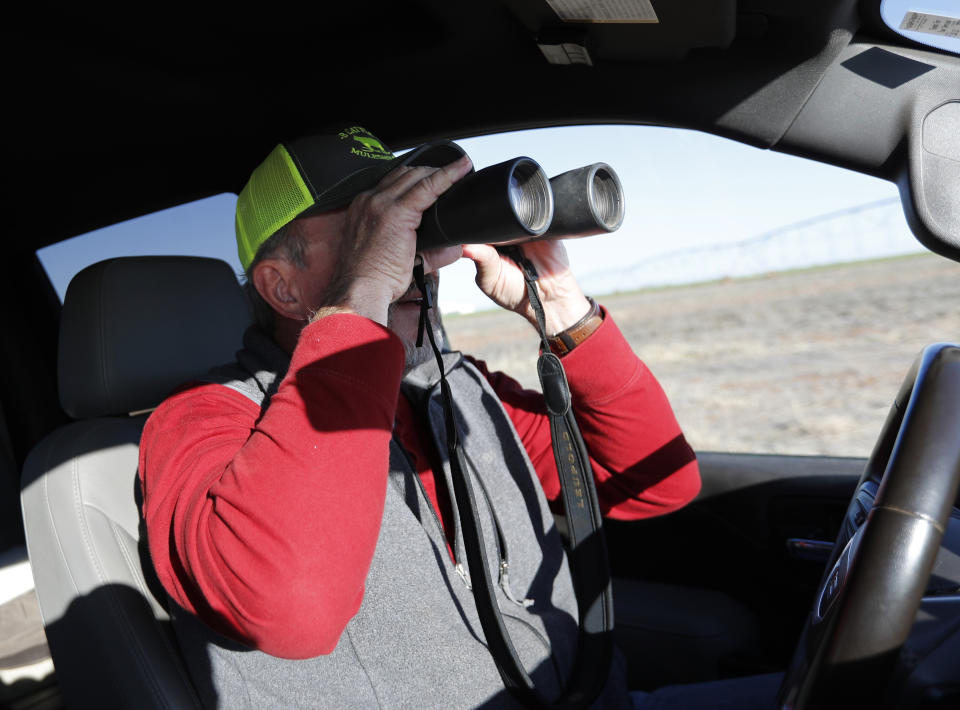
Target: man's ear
(275, 281)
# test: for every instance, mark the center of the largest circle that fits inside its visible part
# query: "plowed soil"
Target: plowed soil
(803, 362)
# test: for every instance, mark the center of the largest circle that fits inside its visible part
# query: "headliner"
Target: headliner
(116, 119)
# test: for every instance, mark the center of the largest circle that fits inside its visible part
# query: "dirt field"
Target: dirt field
(804, 362)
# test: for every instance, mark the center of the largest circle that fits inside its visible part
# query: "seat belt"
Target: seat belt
(586, 548)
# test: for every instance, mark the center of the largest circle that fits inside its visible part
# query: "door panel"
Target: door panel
(733, 536)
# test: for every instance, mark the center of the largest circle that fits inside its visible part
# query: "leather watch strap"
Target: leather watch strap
(566, 340)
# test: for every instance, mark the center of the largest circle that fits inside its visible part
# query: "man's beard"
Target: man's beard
(407, 331)
(414, 356)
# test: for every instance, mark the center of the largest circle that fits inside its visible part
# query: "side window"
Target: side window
(201, 228)
(779, 301)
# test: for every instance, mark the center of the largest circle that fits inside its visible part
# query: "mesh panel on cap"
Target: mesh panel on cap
(274, 195)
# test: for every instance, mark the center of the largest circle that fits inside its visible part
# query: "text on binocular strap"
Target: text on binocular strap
(572, 460)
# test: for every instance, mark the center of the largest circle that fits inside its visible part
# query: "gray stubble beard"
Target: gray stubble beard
(415, 356)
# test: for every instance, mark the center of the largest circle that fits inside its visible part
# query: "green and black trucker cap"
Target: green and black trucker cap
(316, 174)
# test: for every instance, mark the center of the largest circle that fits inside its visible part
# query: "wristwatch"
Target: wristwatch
(566, 340)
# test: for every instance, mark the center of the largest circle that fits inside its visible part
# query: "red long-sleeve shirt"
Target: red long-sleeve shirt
(265, 527)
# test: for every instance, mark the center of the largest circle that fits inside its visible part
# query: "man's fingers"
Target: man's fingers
(399, 180)
(488, 263)
(483, 256)
(383, 221)
(434, 259)
(416, 188)
(425, 191)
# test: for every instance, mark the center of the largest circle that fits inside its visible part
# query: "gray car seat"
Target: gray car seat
(132, 329)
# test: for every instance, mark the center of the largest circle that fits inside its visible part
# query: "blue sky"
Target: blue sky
(683, 190)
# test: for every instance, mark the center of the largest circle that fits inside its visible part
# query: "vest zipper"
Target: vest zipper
(502, 552)
(457, 556)
(503, 566)
(433, 510)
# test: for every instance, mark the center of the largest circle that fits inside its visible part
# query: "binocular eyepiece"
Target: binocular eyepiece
(514, 202)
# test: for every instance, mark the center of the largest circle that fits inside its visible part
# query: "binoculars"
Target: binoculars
(514, 202)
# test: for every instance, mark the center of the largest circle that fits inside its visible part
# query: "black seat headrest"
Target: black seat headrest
(133, 328)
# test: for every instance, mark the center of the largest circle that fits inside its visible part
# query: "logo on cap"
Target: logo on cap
(370, 147)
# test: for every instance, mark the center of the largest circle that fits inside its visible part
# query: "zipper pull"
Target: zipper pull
(463, 575)
(505, 586)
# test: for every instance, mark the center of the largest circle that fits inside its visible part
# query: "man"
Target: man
(298, 504)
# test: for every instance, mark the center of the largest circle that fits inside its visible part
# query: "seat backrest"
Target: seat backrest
(11, 526)
(132, 329)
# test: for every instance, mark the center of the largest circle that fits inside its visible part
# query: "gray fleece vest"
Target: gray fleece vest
(416, 641)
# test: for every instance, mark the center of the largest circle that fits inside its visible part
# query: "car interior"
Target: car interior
(842, 572)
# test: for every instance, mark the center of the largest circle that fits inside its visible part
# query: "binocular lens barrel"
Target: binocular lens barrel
(514, 202)
(607, 198)
(502, 204)
(589, 200)
(531, 198)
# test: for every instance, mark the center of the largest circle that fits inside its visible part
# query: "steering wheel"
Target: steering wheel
(882, 559)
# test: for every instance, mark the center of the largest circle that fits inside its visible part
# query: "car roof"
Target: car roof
(116, 116)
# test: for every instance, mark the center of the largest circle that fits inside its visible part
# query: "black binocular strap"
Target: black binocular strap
(586, 548)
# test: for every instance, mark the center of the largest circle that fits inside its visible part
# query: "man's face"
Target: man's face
(322, 237)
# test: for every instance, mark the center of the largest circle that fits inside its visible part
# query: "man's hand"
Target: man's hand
(380, 238)
(501, 279)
